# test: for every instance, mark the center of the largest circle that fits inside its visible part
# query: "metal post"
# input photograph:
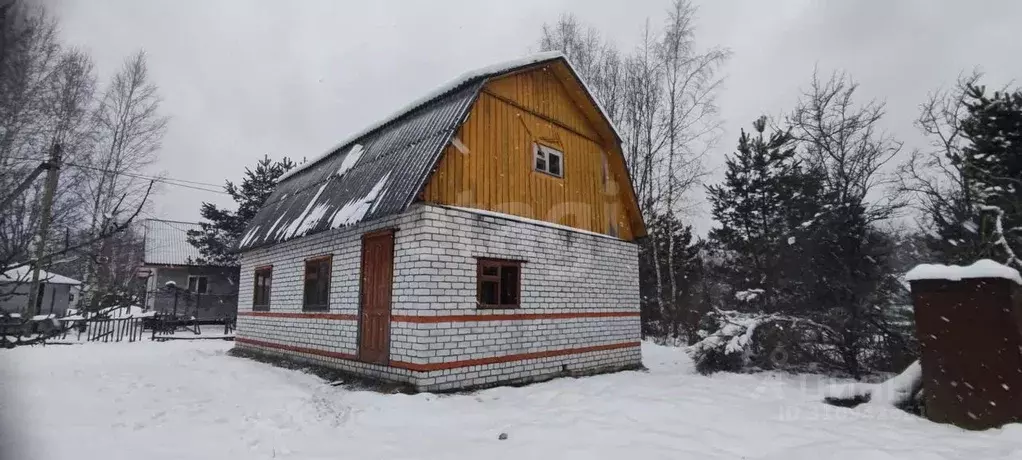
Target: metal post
(52, 175)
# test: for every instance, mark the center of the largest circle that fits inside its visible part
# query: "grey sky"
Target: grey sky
(246, 78)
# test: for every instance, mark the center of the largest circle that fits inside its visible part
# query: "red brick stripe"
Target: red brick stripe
(421, 319)
(509, 358)
(443, 366)
(271, 314)
(509, 317)
(292, 348)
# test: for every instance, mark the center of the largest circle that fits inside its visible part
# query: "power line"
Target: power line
(165, 180)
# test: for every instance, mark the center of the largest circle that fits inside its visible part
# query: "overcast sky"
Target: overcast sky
(245, 78)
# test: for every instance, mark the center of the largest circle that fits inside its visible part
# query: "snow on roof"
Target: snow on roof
(166, 242)
(462, 79)
(378, 171)
(23, 274)
(985, 268)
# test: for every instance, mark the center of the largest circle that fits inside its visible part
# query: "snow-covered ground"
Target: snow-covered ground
(189, 400)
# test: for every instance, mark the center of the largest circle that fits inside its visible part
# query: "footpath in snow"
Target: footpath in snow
(189, 400)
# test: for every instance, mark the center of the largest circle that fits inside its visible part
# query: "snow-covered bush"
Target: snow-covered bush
(740, 341)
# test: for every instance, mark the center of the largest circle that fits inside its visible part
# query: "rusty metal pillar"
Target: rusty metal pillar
(970, 337)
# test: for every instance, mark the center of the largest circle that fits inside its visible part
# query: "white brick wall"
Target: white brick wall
(565, 272)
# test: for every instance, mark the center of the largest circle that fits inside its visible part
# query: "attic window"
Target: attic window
(549, 160)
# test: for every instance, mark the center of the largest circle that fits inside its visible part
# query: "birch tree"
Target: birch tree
(130, 130)
(690, 85)
(47, 99)
(661, 96)
(597, 61)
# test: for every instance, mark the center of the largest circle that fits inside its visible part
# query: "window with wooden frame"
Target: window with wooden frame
(198, 284)
(499, 283)
(548, 160)
(261, 288)
(317, 284)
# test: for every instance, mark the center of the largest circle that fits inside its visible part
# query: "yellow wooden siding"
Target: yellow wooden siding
(541, 92)
(489, 165)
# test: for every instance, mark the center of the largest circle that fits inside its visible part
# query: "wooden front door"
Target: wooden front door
(377, 280)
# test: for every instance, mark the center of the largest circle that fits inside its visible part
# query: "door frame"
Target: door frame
(361, 292)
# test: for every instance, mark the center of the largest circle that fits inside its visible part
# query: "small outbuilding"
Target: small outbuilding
(485, 234)
(58, 292)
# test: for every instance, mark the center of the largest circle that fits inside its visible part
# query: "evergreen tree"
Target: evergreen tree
(766, 208)
(854, 290)
(993, 166)
(223, 227)
(663, 317)
(956, 237)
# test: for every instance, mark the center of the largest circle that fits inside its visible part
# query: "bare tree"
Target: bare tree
(45, 96)
(597, 61)
(690, 84)
(935, 177)
(642, 103)
(645, 138)
(130, 130)
(845, 141)
(661, 97)
(30, 55)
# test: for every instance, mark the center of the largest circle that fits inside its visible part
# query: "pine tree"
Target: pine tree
(665, 317)
(956, 237)
(994, 168)
(766, 208)
(223, 228)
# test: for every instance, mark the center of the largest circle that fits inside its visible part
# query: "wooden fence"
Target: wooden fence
(15, 332)
(111, 329)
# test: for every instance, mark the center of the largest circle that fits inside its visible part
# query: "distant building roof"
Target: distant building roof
(23, 274)
(166, 243)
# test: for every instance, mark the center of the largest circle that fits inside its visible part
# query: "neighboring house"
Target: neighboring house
(206, 291)
(59, 292)
(483, 235)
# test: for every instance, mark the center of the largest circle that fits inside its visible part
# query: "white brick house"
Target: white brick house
(416, 252)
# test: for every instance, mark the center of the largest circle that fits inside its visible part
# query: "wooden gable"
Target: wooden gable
(489, 162)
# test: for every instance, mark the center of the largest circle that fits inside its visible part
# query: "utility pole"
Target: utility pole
(52, 174)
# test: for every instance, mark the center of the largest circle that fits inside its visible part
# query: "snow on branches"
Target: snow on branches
(732, 346)
(999, 238)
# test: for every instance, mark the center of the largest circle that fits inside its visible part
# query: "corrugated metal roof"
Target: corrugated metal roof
(166, 243)
(392, 161)
(393, 164)
(23, 274)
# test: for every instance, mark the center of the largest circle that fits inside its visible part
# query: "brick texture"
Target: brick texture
(578, 310)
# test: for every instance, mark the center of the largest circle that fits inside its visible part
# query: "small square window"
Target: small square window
(198, 284)
(499, 283)
(549, 160)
